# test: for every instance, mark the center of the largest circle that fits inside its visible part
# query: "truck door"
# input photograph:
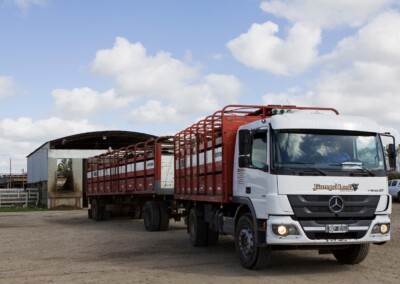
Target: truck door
(253, 164)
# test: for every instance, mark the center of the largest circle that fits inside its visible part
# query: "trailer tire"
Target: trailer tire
(97, 211)
(137, 212)
(164, 215)
(198, 229)
(250, 255)
(354, 254)
(151, 214)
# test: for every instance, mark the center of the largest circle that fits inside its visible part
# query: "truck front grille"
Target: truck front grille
(314, 207)
(314, 212)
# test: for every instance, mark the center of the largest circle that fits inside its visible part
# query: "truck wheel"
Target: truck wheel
(136, 213)
(398, 197)
(164, 215)
(198, 229)
(151, 213)
(354, 254)
(250, 255)
(97, 212)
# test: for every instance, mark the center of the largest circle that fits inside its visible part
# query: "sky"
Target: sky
(157, 66)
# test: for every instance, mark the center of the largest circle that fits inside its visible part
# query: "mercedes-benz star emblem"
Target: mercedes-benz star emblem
(336, 204)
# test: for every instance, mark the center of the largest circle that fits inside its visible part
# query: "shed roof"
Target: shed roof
(98, 140)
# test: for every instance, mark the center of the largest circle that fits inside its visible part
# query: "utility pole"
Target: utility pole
(23, 179)
(9, 180)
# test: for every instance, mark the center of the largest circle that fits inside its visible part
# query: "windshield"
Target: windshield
(328, 151)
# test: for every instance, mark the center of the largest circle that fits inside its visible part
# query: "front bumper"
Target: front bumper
(322, 238)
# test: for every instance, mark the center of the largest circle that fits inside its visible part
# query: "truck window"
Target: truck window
(259, 150)
(367, 151)
(332, 151)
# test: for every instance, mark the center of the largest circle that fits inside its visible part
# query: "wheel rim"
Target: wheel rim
(246, 242)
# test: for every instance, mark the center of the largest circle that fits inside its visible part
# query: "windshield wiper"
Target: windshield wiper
(354, 163)
(310, 166)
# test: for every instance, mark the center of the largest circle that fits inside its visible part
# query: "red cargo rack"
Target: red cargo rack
(136, 169)
(204, 151)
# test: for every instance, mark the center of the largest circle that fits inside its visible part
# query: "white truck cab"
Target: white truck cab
(315, 179)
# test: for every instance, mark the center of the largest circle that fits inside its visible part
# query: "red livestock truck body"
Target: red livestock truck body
(124, 179)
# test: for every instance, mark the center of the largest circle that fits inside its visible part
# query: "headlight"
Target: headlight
(283, 230)
(381, 229)
(384, 228)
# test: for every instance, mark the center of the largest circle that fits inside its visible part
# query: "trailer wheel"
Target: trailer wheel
(151, 214)
(136, 213)
(250, 255)
(164, 215)
(198, 229)
(354, 254)
(97, 212)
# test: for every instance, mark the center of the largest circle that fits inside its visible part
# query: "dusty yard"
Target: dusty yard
(67, 247)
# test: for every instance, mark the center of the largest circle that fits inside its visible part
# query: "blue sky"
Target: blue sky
(74, 66)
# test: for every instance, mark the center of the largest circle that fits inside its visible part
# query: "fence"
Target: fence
(18, 197)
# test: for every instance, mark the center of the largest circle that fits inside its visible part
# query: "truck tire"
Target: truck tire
(353, 254)
(398, 197)
(136, 213)
(151, 215)
(97, 211)
(164, 215)
(198, 229)
(250, 255)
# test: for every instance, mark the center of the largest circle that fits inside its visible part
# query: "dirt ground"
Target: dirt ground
(67, 247)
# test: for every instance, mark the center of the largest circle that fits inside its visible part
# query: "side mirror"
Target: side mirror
(392, 156)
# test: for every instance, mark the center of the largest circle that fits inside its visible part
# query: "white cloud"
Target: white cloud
(155, 88)
(19, 137)
(6, 86)
(369, 89)
(218, 56)
(26, 4)
(262, 49)
(369, 84)
(326, 13)
(154, 112)
(81, 102)
(137, 73)
(363, 75)
(378, 41)
(176, 88)
(213, 92)
(25, 129)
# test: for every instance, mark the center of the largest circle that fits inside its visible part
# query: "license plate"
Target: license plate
(339, 228)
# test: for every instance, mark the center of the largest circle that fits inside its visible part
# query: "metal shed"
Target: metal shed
(56, 167)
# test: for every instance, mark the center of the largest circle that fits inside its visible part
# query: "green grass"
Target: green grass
(21, 209)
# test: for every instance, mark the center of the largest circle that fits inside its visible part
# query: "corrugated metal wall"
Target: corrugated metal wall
(38, 165)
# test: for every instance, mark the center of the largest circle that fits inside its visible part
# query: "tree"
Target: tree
(64, 168)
